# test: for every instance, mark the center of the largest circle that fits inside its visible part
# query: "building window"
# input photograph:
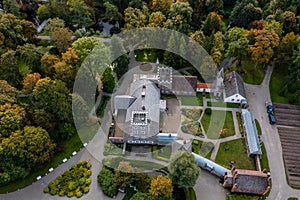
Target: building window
(232, 99)
(236, 95)
(238, 99)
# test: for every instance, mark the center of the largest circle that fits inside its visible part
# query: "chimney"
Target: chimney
(143, 108)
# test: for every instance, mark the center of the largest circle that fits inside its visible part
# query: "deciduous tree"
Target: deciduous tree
(107, 180)
(82, 15)
(62, 38)
(212, 24)
(157, 19)
(161, 5)
(161, 188)
(134, 18)
(29, 82)
(108, 80)
(47, 64)
(183, 169)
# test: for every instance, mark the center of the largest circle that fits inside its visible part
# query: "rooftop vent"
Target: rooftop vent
(144, 86)
(143, 108)
(143, 94)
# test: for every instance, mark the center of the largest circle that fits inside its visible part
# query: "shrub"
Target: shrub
(208, 111)
(88, 181)
(86, 190)
(46, 190)
(52, 192)
(70, 194)
(61, 193)
(79, 194)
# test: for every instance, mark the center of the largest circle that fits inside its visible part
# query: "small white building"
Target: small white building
(234, 88)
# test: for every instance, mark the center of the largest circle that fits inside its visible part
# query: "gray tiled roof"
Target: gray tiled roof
(149, 104)
(234, 84)
(249, 181)
(184, 83)
(123, 101)
(251, 133)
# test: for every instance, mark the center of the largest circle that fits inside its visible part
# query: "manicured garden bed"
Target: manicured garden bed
(74, 182)
(236, 151)
(215, 123)
(189, 121)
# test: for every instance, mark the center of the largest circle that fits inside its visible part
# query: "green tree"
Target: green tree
(183, 169)
(157, 19)
(62, 38)
(200, 11)
(65, 72)
(44, 119)
(85, 46)
(217, 48)
(124, 173)
(37, 144)
(238, 43)
(289, 21)
(82, 15)
(80, 105)
(112, 12)
(12, 118)
(107, 180)
(287, 47)
(52, 24)
(43, 12)
(141, 196)
(161, 188)
(212, 24)
(161, 5)
(9, 70)
(47, 64)
(244, 13)
(54, 97)
(29, 56)
(179, 17)
(11, 6)
(134, 18)
(171, 59)
(108, 80)
(273, 25)
(7, 90)
(215, 6)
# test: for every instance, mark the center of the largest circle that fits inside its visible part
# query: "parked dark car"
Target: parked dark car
(272, 118)
(270, 108)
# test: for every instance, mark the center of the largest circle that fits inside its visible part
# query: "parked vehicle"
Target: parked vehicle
(270, 108)
(272, 118)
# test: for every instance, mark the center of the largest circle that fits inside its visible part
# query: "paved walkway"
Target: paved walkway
(257, 95)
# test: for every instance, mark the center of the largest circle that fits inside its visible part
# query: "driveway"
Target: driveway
(257, 95)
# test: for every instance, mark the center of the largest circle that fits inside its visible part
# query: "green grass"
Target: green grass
(222, 104)
(237, 151)
(277, 82)
(162, 152)
(87, 133)
(239, 118)
(249, 73)
(215, 122)
(137, 164)
(192, 101)
(202, 148)
(146, 55)
(190, 194)
(258, 127)
(264, 158)
(242, 197)
(293, 198)
(73, 144)
(102, 106)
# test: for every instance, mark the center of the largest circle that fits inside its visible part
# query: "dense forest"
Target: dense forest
(37, 74)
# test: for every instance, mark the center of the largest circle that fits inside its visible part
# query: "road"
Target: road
(257, 95)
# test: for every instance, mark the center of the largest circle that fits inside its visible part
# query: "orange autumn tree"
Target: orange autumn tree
(161, 188)
(124, 173)
(29, 82)
(263, 48)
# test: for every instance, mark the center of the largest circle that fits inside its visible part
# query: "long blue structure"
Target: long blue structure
(211, 166)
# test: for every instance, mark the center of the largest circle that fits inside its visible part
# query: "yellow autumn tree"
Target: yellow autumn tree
(161, 188)
(124, 173)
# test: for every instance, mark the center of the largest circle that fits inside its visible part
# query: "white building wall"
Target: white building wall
(237, 98)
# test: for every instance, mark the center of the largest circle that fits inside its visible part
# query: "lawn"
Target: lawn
(137, 164)
(249, 74)
(204, 149)
(276, 83)
(264, 158)
(102, 106)
(190, 194)
(235, 150)
(239, 118)
(216, 121)
(258, 127)
(162, 152)
(242, 197)
(222, 104)
(192, 101)
(146, 55)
